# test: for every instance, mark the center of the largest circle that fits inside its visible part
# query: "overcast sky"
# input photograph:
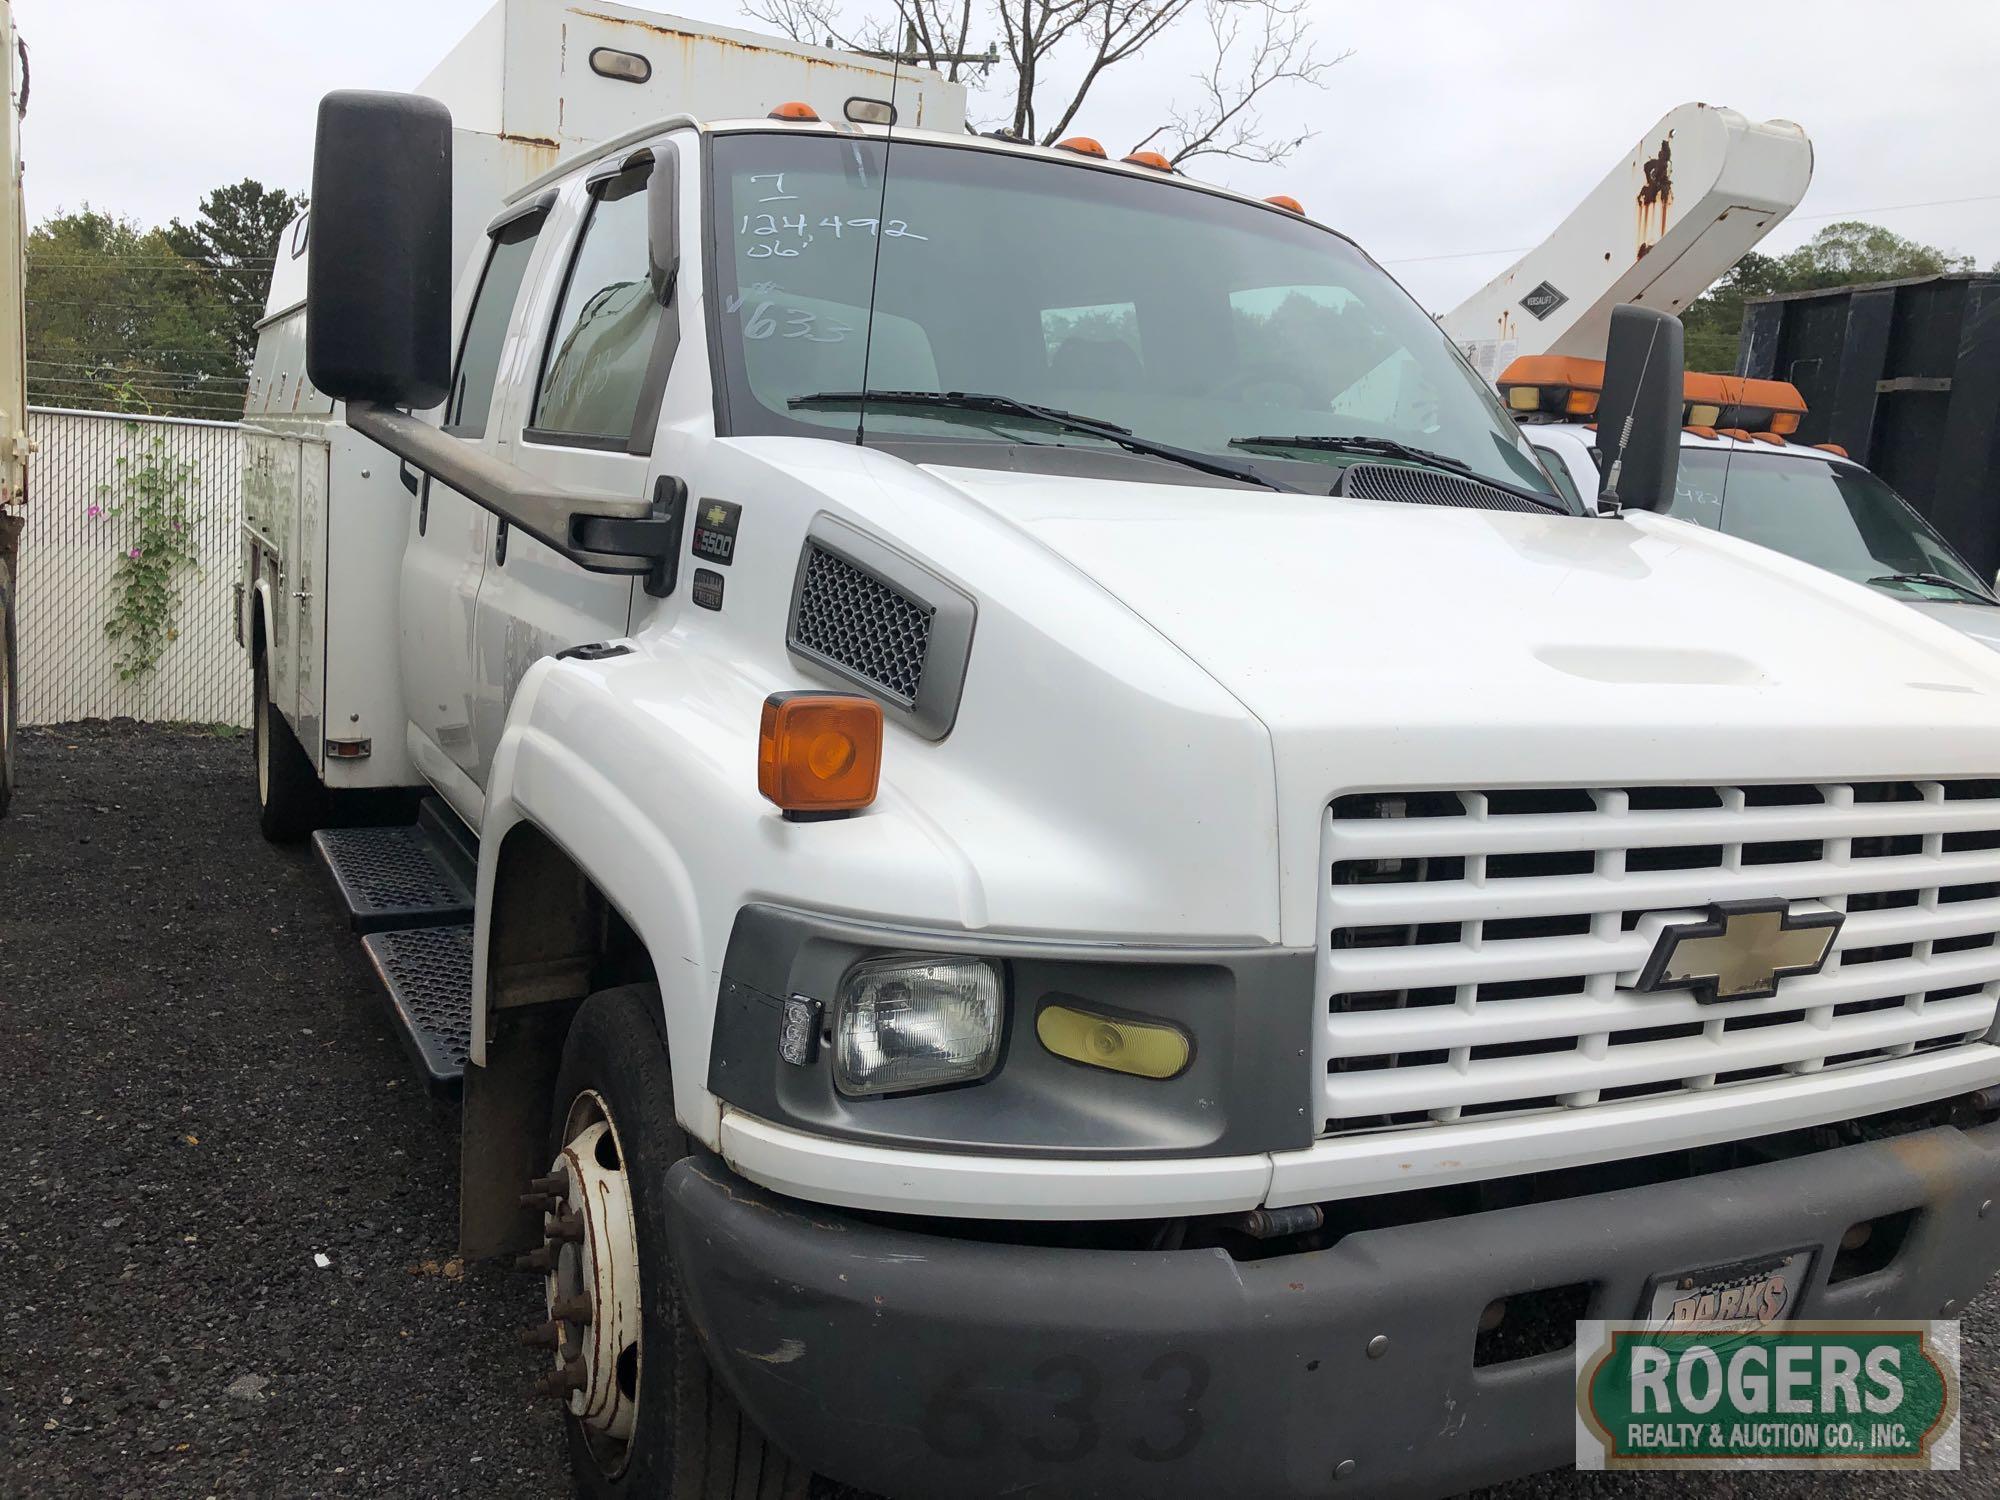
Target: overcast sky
(1454, 128)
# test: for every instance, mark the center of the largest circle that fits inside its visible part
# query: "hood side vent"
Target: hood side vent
(856, 621)
(872, 618)
(1412, 486)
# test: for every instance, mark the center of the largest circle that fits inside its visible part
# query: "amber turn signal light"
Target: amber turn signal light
(819, 752)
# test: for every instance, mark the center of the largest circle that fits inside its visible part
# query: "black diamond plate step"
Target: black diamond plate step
(395, 877)
(428, 974)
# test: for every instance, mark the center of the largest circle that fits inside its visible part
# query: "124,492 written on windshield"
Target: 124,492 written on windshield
(1185, 318)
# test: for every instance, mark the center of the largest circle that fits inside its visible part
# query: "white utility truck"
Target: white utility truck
(1699, 189)
(1057, 863)
(1742, 472)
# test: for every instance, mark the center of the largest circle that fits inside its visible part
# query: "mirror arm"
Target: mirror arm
(596, 532)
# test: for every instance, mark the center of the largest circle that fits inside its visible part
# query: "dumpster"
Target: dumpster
(1905, 375)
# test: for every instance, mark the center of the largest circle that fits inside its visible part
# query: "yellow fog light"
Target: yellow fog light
(1146, 1049)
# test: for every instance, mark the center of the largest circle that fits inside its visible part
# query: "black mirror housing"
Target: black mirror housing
(378, 287)
(1639, 412)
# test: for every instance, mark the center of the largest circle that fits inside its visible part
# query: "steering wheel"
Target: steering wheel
(1266, 372)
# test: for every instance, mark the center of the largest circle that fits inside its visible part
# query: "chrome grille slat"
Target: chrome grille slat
(1421, 1028)
(1564, 895)
(1654, 1062)
(1550, 958)
(1528, 833)
(1477, 948)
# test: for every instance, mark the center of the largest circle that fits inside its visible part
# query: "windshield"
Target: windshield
(1187, 318)
(1842, 519)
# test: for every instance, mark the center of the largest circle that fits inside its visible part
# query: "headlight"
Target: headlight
(915, 1023)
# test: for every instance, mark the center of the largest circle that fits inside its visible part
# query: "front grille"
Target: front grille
(856, 621)
(1413, 486)
(1478, 947)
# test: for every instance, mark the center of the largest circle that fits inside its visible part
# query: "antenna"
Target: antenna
(875, 270)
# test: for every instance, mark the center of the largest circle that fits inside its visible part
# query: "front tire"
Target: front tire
(669, 1428)
(290, 800)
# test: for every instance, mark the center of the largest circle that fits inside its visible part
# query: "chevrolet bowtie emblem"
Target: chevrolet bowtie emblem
(1742, 951)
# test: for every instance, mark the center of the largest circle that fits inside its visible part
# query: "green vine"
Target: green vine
(153, 497)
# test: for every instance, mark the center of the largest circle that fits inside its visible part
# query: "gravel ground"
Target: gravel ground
(203, 1097)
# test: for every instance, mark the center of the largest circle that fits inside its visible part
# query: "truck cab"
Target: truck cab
(1070, 856)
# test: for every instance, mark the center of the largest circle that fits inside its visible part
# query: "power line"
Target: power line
(199, 376)
(169, 258)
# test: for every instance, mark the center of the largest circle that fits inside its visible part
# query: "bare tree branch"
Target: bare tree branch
(1257, 46)
(1247, 61)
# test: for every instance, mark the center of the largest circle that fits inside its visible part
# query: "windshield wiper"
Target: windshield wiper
(1390, 448)
(1008, 406)
(1938, 580)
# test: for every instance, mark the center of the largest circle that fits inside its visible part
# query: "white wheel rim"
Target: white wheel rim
(604, 1266)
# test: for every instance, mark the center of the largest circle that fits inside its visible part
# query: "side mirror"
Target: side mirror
(378, 287)
(1639, 412)
(663, 222)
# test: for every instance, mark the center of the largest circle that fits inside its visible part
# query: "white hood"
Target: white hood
(1980, 621)
(1387, 645)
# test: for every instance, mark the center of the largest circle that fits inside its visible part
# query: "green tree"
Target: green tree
(234, 235)
(1841, 254)
(118, 320)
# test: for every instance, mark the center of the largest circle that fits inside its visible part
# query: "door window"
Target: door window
(486, 328)
(602, 340)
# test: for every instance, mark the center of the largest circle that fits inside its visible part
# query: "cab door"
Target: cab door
(582, 417)
(451, 537)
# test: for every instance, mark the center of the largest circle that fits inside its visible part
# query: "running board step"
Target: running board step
(427, 972)
(395, 877)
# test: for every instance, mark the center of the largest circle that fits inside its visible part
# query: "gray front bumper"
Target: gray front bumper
(919, 1364)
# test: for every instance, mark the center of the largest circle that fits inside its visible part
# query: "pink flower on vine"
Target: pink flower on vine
(94, 512)
(133, 553)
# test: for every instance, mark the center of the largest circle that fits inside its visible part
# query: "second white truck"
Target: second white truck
(1053, 862)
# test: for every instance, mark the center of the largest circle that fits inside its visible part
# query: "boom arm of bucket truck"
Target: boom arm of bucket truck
(1700, 189)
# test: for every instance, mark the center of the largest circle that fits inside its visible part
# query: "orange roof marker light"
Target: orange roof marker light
(1834, 448)
(1559, 384)
(1696, 430)
(1288, 203)
(1763, 405)
(794, 110)
(1767, 437)
(819, 754)
(1150, 159)
(1082, 145)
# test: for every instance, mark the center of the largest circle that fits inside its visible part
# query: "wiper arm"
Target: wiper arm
(1390, 448)
(1937, 580)
(1008, 406)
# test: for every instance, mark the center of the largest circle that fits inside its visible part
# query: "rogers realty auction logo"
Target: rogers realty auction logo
(1815, 1395)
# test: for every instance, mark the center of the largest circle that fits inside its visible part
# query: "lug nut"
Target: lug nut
(547, 1203)
(570, 1377)
(555, 1182)
(542, 1259)
(571, 1309)
(568, 1227)
(542, 1335)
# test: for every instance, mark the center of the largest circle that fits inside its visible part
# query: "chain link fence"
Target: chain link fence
(80, 522)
